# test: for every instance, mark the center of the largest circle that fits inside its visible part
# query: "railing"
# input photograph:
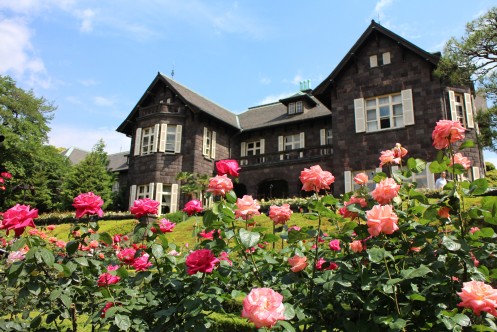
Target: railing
(291, 156)
(159, 108)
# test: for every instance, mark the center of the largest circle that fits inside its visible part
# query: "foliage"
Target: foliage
(474, 58)
(403, 280)
(37, 169)
(193, 183)
(489, 166)
(90, 175)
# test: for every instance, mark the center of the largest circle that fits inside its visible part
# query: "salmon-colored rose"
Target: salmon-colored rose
(479, 297)
(385, 191)
(381, 219)
(446, 132)
(220, 185)
(227, 166)
(315, 179)
(444, 212)
(356, 246)
(247, 207)
(263, 307)
(361, 179)
(280, 214)
(353, 200)
(388, 157)
(461, 160)
(399, 151)
(298, 263)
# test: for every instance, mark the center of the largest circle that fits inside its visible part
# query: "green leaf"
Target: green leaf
(35, 322)
(72, 247)
(467, 144)
(414, 273)
(249, 239)
(462, 320)
(157, 250)
(376, 255)
(270, 238)
(289, 311)
(285, 325)
(231, 196)
(436, 167)
(82, 261)
(379, 176)
(66, 300)
(397, 324)
(478, 187)
(416, 165)
(106, 238)
(417, 297)
(122, 322)
(450, 244)
(20, 243)
(46, 256)
(122, 272)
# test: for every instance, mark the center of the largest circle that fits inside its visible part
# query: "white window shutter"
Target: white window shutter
(177, 144)
(407, 107)
(163, 137)
(151, 186)
(386, 58)
(373, 61)
(263, 143)
(132, 195)
(430, 177)
(158, 196)
(174, 197)
(302, 139)
(156, 137)
(360, 121)
(213, 145)
(280, 146)
(204, 142)
(243, 149)
(138, 141)
(469, 110)
(476, 172)
(322, 137)
(347, 178)
(452, 104)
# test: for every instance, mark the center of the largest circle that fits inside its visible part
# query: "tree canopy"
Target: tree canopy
(473, 59)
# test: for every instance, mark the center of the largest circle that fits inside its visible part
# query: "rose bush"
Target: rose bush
(394, 260)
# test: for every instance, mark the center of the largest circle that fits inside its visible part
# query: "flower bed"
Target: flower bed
(394, 260)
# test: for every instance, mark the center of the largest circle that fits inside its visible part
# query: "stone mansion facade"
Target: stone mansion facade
(382, 92)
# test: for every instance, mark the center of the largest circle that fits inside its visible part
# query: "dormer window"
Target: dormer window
(296, 107)
(383, 59)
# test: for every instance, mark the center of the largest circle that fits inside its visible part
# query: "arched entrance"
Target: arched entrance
(272, 189)
(240, 189)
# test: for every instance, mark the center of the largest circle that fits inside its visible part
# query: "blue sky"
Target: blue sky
(95, 58)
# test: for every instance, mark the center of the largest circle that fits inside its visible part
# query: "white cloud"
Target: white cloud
(103, 101)
(87, 17)
(89, 82)
(265, 80)
(273, 98)
(85, 138)
(378, 13)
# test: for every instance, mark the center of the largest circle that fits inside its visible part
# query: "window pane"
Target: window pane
(384, 111)
(371, 115)
(383, 100)
(398, 122)
(385, 123)
(396, 99)
(397, 110)
(372, 126)
(371, 103)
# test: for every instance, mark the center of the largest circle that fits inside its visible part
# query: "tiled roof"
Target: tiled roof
(75, 155)
(118, 161)
(276, 114)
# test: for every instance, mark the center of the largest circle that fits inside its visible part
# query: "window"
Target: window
(167, 195)
(326, 138)
(148, 136)
(299, 107)
(170, 138)
(290, 143)
(115, 187)
(384, 112)
(375, 61)
(253, 148)
(291, 108)
(143, 191)
(385, 57)
(461, 108)
(349, 183)
(209, 144)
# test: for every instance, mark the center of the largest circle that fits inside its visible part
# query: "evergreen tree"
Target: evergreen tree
(90, 175)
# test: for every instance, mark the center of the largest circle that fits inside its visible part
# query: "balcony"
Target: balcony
(160, 108)
(285, 157)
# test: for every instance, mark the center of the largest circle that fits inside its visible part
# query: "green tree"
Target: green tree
(473, 58)
(37, 169)
(90, 175)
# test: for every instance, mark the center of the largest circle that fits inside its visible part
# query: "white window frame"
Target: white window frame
(373, 61)
(326, 138)
(385, 57)
(252, 148)
(388, 102)
(167, 196)
(209, 143)
(299, 107)
(461, 110)
(285, 144)
(147, 140)
(291, 108)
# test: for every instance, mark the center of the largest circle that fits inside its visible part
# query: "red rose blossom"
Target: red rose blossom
(17, 218)
(227, 166)
(202, 260)
(192, 207)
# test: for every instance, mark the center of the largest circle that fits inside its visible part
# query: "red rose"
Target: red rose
(107, 279)
(192, 207)
(144, 206)
(89, 204)
(227, 166)
(202, 260)
(17, 218)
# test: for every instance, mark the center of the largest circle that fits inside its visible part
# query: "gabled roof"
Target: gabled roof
(118, 161)
(277, 113)
(373, 28)
(75, 155)
(299, 96)
(195, 101)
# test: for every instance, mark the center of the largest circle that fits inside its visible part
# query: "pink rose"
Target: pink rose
(263, 307)
(107, 279)
(192, 207)
(361, 179)
(17, 218)
(15, 256)
(479, 297)
(335, 245)
(461, 160)
(385, 191)
(297, 263)
(207, 235)
(320, 262)
(280, 214)
(88, 204)
(381, 219)
(227, 166)
(356, 246)
(388, 157)
(446, 132)
(127, 256)
(144, 206)
(247, 207)
(60, 244)
(223, 256)
(220, 185)
(51, 227)
(294, 228)
(117, 238)
(166, 226)
(6, 175)
(472, 230)
(399, 151)
(315, 179)
(202, 260)
(353, 200)
(141, 263)
(112, 267)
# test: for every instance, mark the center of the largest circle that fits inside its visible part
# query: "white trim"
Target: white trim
(280, 146)
(138, 140)
(302, 139)
(407, 107)
(174, 197)
(158, 195)
(156, 137)
(322, 136)
(476, 172)
(177, 143)
(360, 120)
(469, 110)
(430, 177)
(132, 195)
(243, 149)
(204, 142)
(263, 143)
(213, 145)
(452, 105)
(347, 179)
(163, 135)
(373, 61)
(386, 58)
(151, 186)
